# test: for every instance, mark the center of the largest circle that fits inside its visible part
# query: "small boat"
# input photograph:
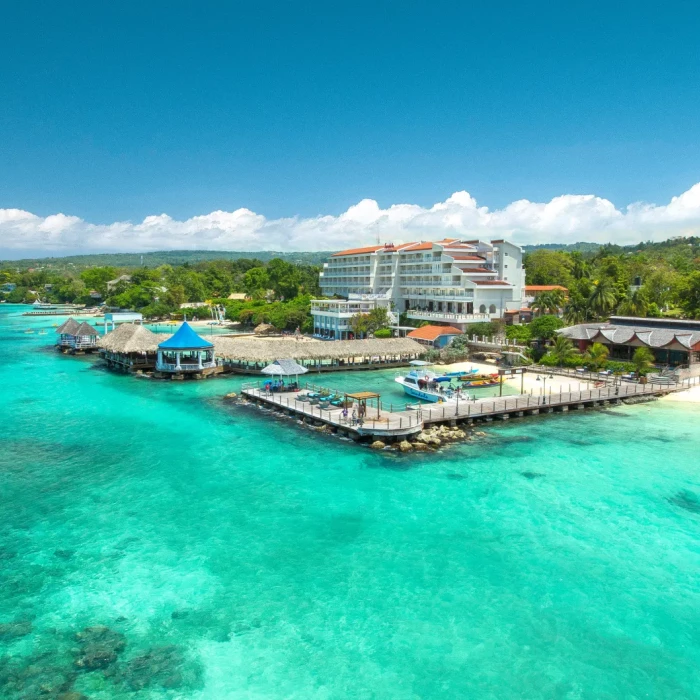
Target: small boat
(40, 305)
(481, 380)
(461, 374)
(42, 332)
(423, 384)
(29, 330)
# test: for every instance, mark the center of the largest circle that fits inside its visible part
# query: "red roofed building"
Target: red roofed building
(449, 281)
(436, 336)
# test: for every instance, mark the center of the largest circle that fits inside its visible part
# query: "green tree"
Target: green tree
(520, 334)
(643, 360)
(485, 329)
(544, 327)
(174, 297)
(285, 279)
(689, 295)
(136, 296)
(579, 267)
(563, 351)
(576, 309)
(362, 324)
(548, 267)
(596, 356)
(68, 290)
(256, 282)
(97, 278)
(637, 304)
(548, 302)
(603, 298)
(18, 295)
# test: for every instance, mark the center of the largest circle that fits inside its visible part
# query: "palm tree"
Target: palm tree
(548, 302)
(580, 267)
(539, 303)
(603, 298)
(643, 360)
(562, 351)
(576, 310)
(596, 355)
(635, 305)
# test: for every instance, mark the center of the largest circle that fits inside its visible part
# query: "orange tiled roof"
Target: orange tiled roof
(413, 246)
(433, 332)
(544, 288)
(425, 245)
(508, 284)
(359, 251)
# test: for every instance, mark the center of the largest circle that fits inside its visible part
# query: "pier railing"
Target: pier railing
(379, 421)
(513, 404)
(376, 420)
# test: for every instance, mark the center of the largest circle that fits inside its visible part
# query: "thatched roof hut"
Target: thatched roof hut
(132, 338)
(77, 337)
(257, 350)
(68, 327)
(86, 330)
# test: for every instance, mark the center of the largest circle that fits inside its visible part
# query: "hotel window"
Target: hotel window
(492, 309)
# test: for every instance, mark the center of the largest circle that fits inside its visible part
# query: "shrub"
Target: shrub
(486, 329)
(544, 327)
(519, 334)
(384, 333)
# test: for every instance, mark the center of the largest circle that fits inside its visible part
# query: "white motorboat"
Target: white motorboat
(423, 384)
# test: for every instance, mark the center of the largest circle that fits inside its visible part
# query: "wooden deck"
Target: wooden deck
(377, 423)
(380, 423)
(508, 406)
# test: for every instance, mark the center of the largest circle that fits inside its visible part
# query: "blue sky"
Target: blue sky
(117, 111)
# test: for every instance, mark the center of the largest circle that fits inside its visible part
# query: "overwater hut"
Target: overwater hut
(186, 354)
(130, 348)
(77, 338)
(280, 369)
(251, 355)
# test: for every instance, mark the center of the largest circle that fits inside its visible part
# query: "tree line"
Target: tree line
(277, 292)
(653, 279)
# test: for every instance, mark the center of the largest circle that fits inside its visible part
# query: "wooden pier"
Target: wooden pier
(508, 406)
(392, 425)
(378, 422)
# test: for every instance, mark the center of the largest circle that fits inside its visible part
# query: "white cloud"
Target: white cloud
(565, 219)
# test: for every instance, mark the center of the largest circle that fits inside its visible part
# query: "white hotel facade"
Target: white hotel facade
(447, 282)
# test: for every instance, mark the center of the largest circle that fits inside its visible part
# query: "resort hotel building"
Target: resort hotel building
(447, 282)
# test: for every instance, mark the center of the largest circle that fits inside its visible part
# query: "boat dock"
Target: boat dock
(378, 422)
(389, 425)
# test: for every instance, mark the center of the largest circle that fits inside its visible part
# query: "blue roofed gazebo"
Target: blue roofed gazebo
(185, 352)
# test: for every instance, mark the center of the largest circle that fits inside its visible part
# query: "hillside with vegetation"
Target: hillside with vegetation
(155, 259)
(650, 279)
(276, 292)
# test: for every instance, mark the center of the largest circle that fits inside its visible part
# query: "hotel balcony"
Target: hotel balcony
(446, 316)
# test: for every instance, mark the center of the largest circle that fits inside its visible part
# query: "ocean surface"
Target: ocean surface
(156, 542)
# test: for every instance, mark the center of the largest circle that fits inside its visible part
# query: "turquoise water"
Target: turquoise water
(236, 556)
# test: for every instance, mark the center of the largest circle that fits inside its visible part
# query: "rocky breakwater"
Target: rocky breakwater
(430, 439)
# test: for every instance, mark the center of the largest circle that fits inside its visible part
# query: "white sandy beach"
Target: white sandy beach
(691, 395)
(530, 382)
